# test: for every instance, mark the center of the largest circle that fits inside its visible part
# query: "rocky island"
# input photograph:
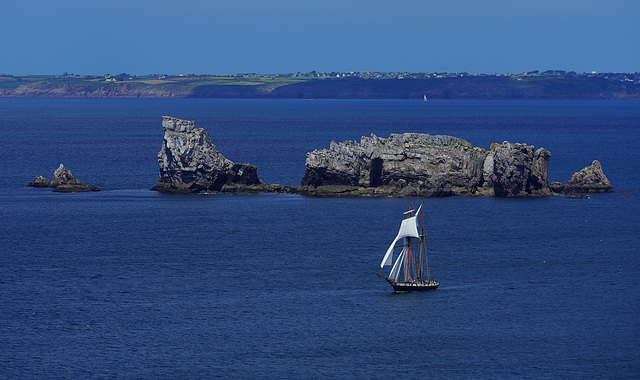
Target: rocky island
(63, 182)
(402, 165)
(413, 164)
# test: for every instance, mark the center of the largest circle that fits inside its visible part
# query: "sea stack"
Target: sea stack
(63, 182)
(588, 180)
(190, 163)
(413, 164)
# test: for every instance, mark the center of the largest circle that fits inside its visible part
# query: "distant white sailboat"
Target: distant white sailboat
(425, 97)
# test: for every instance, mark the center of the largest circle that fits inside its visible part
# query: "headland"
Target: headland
(550, 84)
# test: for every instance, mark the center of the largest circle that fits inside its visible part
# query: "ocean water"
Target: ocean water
(130, 283)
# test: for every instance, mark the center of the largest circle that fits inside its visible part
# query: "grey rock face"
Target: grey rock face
(519, 171)
(190, 163)
(588, 180)
(413, 164)
(63, 182)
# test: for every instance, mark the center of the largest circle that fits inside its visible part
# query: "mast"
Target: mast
(421, 242)
(406, 272)
(408, 240)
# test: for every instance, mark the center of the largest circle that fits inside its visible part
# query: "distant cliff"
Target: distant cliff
(475, 87)
(456, 87)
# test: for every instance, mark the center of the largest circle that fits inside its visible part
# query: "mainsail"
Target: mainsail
(395, 271)
(408, 229)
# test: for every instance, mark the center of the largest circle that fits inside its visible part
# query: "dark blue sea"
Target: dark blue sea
(131, 283)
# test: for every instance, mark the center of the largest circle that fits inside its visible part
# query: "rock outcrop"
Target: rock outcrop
(516, 170)
(40, 181)
(63, 182)
(406, 165)
(190, 163)
(588, 180)
(414, 164)
(402, 165)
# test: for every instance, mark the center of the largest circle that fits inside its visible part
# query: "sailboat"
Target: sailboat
(408, 269)
(425, 97)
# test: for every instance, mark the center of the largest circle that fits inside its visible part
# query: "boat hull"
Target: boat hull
(413, 287)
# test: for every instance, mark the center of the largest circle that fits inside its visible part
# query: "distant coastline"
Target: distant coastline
(552, 84)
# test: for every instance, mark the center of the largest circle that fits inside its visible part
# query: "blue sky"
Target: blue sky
(279, 36)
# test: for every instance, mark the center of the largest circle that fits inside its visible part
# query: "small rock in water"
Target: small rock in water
(63, 182)
(588, 180)
(40, 181)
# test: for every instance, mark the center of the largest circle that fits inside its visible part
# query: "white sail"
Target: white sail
(408, 228)
(395, 271)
